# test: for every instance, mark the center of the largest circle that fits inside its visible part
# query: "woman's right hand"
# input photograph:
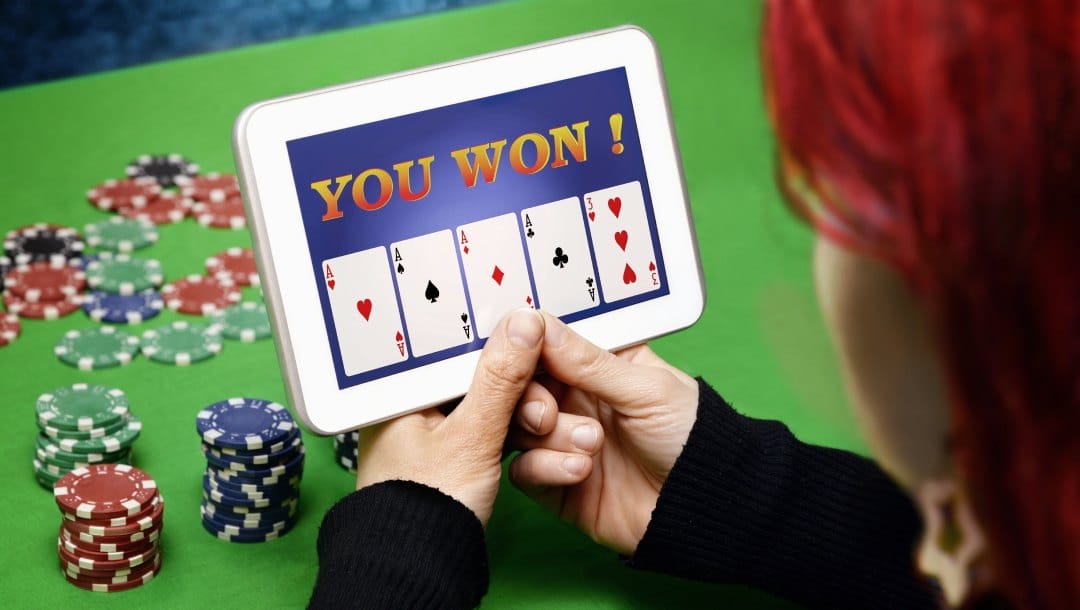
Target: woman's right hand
(646, 409)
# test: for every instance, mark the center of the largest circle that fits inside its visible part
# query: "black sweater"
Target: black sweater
(745, 503)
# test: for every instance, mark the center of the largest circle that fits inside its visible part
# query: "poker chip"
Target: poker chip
(255, 459)
(228, 214)
(68, 532)
(210, 188)
(200, 295)
(123, 309)
(246, 322)
(286, 466)
(168, 208)
(146, 521)
(105, 491)
(248, 537)
(235, 264)
(123, 274)
(244, 423)
(45, 281)
(42, 242)
(345, 449)
(10, 328)
(118, 195)
(251, 517)
(112, 443)
(42, 310)
(181, 343)
(119, 234)
(97, 348)
(165, 169)
(104, 552)
(101, 564)
(81, 406)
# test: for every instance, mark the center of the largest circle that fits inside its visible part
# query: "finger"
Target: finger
(537, 409)
(538, 469)
(570, 434)
(507, 364)
(572, 359)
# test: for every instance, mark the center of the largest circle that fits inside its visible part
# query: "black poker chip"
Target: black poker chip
(166, 169)
(42, 242)
(5, 266)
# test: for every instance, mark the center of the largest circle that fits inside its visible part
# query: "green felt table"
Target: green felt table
(760, 342)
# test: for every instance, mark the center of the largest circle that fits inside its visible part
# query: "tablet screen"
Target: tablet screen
(425, 229)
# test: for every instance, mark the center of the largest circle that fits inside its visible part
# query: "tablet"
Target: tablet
(396, 220)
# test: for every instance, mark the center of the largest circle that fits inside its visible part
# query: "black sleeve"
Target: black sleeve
(748, 503)
(400, 544)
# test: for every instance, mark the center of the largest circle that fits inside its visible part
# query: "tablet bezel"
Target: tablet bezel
(259, 140)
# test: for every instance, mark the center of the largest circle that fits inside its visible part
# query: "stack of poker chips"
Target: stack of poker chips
(345, 448)
(109, 536)
(254, 462)
(40, 271)
(82, 425)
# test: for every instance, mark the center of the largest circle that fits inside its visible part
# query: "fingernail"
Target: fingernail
(533, 413)
(555, 332)
(583, 437)
(574, 464)
(525, 327)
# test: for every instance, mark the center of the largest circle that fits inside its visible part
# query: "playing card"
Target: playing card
(619, 231)
(495, 269)
(562, 265)
(365, 310)
(432, 295)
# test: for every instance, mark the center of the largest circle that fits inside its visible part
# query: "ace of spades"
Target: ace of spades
(432, 294)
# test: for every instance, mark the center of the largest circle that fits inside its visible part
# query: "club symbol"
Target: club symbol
(589, 282)
(560, 259)
(530, 233)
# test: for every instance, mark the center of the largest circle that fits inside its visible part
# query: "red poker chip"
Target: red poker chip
(45, 281)
(228, 214)
(102, 542)
(131, 580)
(107, 552)
(42, 310)
(129, 193)
(104, 565)
(10, 328)
(200, 294)
(101, 491)
(209, 188)
(167, 209)
(236, 264)
(143, 522)
(86, 575)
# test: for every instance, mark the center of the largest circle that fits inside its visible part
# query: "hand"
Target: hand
(460, 454)
(646, 408)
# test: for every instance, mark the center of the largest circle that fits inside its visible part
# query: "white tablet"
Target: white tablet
(397, 219)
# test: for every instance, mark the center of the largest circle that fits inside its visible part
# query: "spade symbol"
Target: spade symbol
(464, 318)
(560, 258)
(432, 292)
(400, 268)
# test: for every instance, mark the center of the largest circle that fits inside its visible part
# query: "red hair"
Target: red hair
(943, 136)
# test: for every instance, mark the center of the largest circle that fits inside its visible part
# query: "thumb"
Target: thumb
(506, 367)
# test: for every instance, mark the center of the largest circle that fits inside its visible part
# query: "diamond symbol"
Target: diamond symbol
(465, 249)
(497, 275)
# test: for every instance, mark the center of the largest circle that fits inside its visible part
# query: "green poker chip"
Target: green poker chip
(58, 434)
(120, 234)
(95, 348)
(108, 444)
(81, 407)
(246, 322)
(123, 274)
(182, 343)
(50, 448)
(44, 457)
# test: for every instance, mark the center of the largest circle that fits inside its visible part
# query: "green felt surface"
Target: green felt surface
(760, 342)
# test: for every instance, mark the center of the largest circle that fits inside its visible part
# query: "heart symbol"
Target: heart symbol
(331, 284)
(621, 238)
(364, 307)
(592, 215)
(628, 275)
(615, 205)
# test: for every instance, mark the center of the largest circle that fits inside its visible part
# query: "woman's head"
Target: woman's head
(935, 147)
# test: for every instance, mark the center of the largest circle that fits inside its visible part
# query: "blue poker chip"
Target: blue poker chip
(273, 495)
(267, 476)
(252, 490)
(123, 309)
(253, 459)
(244, 529)
(244, 423)
(211, 513)
(277, 447)
(252, 516)
(250, 484)
(245, 538)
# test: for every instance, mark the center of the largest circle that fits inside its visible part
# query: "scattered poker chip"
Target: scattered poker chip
(235, 264)
(42, 310)
(119, 234)
(123, 274)
(10, 328)
(165, 169)
(210, 188)
(200, 295)
(168, 208)
(51, 280)
(116, 195)
(97, 348)
(105, 491)
(181, 343)
(228, 214)
(246, 322)
(42, 242)
(123, 309)
(81, 406)
(112, 443)
(244, 423)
